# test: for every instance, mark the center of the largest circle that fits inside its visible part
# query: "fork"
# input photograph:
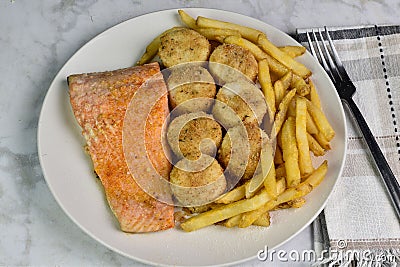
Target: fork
(346, 89)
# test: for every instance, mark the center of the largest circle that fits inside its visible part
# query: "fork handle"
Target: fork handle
(389, 179)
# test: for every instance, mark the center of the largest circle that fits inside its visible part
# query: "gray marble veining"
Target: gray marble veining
(36, 39)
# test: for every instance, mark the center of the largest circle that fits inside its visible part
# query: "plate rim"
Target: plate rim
(199, 9)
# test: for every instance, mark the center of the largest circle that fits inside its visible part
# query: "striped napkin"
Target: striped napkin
(359, 224)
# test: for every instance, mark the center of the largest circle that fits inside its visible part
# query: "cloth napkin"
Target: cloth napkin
(359, 224)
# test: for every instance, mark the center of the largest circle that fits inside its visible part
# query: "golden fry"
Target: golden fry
(311, 127)
(233, 221)
(290, 194)
(315, 147)
(187, 19)
(282, 57)
(254, 49)
(248, 33)
(301, 86)
(263, 220)
(279, 92)
(281, 115)
(266, 85)
(217, 34)
(321, 121)
(305, 163)
(290, 153)
(225, 212)
(287, 80)
(270, 182)
(235, 194)
(322, 141)
(314, 97)
(293, 51)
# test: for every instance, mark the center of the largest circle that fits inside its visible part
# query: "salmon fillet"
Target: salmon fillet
(99, 102)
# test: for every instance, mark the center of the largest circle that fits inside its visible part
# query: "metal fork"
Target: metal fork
(346, 90)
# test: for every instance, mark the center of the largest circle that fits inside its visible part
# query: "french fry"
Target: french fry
(305, 163)
(225, 212)
(290, 152)
(293, 51)
(322, 141)
(152, 48)
(321, 121)
(267, 163)
(278, 156)
(292, 108)
(187, 19)
(266, 85)
(270, 182)
(253, 48)
(297, 203)
(281, 115)
(263, 220)
(315, 147)
(217, 34)
(301, 86)
(282, 57)
(311, 127)
(290, 194)
(233, 221)
(287, 80)
(279, 92)
(314, 97)
(247, 32)
(235, 194)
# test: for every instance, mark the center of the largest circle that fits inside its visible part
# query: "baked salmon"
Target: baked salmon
(99, 102)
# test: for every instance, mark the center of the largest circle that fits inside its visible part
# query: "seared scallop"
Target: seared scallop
(243, 156)
(191, 89)
(183, 45)
(238, 102)
(199, 182)
(192, 134)
(228, 63)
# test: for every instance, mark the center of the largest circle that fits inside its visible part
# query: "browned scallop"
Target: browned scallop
(191, 89)
(240, 59)
(192, 134)
(244, 144)
(196, 183)
(183, 45)
(237, 102)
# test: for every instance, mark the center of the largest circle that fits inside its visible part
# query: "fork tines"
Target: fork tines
(322, 48)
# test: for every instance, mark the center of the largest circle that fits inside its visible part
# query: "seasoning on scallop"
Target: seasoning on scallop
(191, 89)
(199, 182)
(183, 45)
(192, 134)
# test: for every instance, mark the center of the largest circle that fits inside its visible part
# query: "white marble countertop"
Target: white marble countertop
(36, 39)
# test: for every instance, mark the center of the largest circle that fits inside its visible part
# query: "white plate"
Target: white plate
(69, 174)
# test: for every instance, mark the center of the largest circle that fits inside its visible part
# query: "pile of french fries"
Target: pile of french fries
(299, 127)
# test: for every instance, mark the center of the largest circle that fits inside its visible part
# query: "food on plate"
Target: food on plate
(193, 134)
(197, 182)
(188, 82)
(237, 102)
(236, 57)
(99, 102)
(241, 167)
(265, 99)
(293, 51)
(183, 45)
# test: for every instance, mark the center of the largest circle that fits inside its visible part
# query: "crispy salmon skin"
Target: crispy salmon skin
(99, 102)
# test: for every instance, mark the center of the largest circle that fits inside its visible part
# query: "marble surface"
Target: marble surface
(36, 39)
